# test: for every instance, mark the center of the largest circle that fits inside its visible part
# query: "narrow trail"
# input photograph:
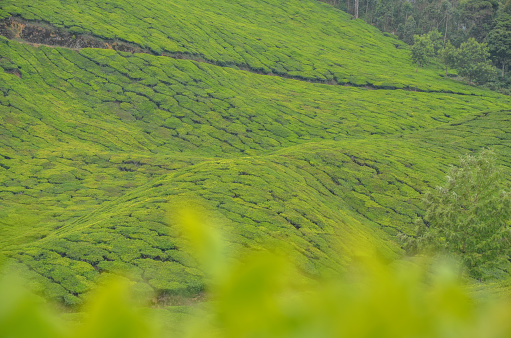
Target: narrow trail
(43, 34)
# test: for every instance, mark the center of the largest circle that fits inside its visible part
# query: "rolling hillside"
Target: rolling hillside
(295, 124)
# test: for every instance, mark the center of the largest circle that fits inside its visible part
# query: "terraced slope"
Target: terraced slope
(96, 145)
(302, 39)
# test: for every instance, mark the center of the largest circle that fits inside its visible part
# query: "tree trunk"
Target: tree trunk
(356, 9)
(503, 65)
(417, 69)
(445, 71)
(445, 34)
(367, 6)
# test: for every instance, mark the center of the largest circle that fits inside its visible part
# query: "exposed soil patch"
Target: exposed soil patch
(165, 300)
(15, 72)
(15, 28)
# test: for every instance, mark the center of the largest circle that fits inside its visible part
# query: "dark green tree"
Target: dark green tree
(477, 17)
(436, 40)
(384, 15)
(407, 31)
(448, 56)
(469, 216)
(472, 62)
(422, 50)
(499, 40)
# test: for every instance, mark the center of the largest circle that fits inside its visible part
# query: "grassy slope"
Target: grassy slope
(94, 144)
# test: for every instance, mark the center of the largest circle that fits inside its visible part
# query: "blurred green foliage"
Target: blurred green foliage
(263, 295)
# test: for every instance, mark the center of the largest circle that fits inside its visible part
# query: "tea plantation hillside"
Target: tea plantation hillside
(97, 146)
(303, 39)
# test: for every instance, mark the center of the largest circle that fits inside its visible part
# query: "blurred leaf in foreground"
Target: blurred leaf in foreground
(205, 240)
(110, 313)
(261, 294)
(23, 314)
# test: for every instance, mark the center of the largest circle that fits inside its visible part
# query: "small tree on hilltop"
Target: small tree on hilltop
(473, 62)
(422, 50)
(449, 55)
(469, 216)
(436, 40)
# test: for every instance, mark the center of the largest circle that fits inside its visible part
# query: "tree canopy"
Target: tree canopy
(469, 216)
(422, 50)
(499, 41)
(473, 61)
(485, 21)
(448, 55)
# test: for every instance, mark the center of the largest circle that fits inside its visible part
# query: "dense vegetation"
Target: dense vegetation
(96, 143)
(456, 20)
(487, 22)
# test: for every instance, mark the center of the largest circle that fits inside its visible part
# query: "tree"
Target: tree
(449, 55)
(499, 40)
(473, 62)
(469, 216)
(407, 31)
(447, 9)
(477, 17)
(436, 40)
(422, 50)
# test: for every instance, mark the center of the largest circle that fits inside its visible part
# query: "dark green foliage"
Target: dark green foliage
(472, 62)
(499, 41)
(422, 50)
(478, 16)
(448, 55)
(408, 30)
(436, 40)
(469, 216)
(456, 20)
